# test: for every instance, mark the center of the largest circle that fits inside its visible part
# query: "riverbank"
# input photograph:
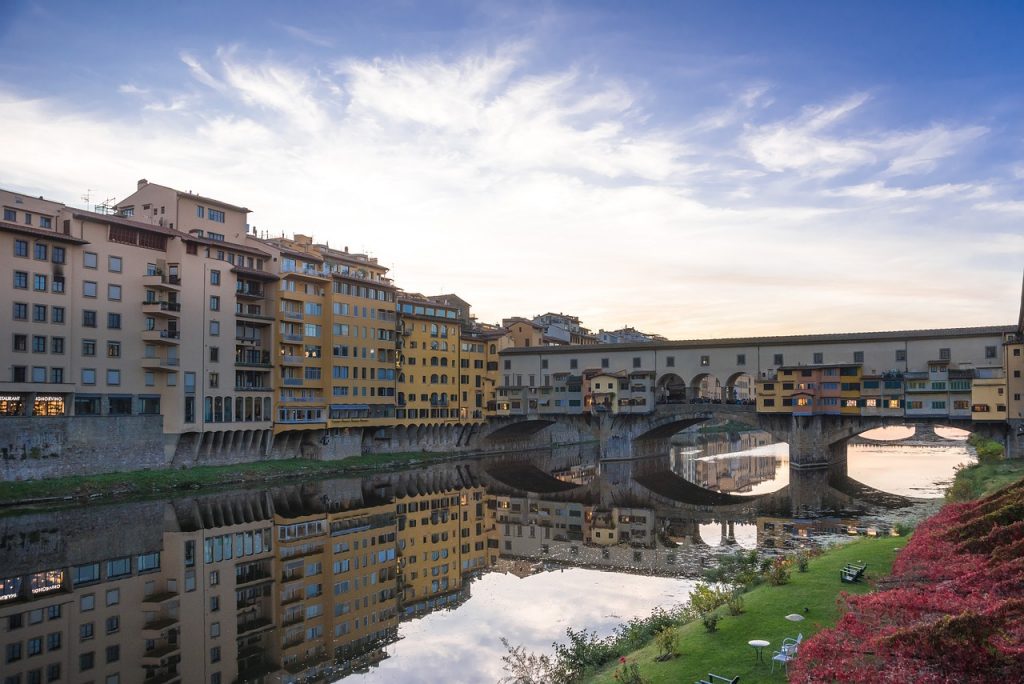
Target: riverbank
(144, 483)
(975, 481)
(811, 594)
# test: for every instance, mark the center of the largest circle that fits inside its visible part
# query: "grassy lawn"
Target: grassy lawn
(144, 482)
(726, 652)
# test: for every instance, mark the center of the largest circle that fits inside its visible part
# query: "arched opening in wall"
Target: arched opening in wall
(705, 389)
(739, 389)
(671, 389)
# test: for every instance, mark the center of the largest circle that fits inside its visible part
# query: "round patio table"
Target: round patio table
(759, 645)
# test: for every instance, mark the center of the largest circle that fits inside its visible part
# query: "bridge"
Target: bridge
(814, 392)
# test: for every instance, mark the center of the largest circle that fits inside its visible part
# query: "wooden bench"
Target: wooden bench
(852, 572)
(718, 679)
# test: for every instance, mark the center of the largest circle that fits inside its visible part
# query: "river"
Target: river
(411, 577)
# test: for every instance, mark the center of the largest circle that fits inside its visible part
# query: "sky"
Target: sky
(692, 169)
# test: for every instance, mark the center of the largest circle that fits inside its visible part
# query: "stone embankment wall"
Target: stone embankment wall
(58, 446)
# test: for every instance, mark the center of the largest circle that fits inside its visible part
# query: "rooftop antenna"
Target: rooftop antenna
(86, 196)
(104, 208)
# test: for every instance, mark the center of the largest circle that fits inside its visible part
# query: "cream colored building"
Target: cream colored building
(160, 309)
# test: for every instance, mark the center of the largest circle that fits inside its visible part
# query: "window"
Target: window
(88, 318)
(57, 314)
(214, 629)
(148, 561)
(57, 345)
(705, 360)
(858, 357)
(741, 359)
(58, 284)
(39, 344)
(21, 248)
(45, 222)
(38, 374)
(215, 277)
(944, 354)
(114, 349)
(20, 311)
(214, 303)
(39, 251)
(114, 293)
(113, 653)
(86, 661)
(214, 354)
(88, 288)
(113, 624)
(20, 280)
(215, 215)
(39, 313)
(573, 364)
(114, 321)
(53, 641)
(39, 282)
(20, 343)
(636, 362)
(777, 360)
(10, 215)
(200, 211)
(214, 328)
(58, 255)
(88, 347)
(88, 376)
(214, 380)
(90, 260)
(990, 352)
(819, 357)
(113, 376)
(114, 264)
(113, 597)
(215, 654)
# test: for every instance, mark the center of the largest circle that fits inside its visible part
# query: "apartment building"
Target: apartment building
(156, 310)
(428, 379)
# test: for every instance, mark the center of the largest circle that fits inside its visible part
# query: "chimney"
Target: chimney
(142, 183)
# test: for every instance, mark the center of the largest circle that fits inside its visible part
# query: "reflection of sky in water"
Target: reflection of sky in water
(919, 471)
(922, 471)
(745, 534)
(464, 645)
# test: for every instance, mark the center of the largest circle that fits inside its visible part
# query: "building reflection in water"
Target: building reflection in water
(731, 464)
(310, 582)
(281, 586)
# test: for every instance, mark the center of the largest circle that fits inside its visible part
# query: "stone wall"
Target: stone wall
(34, 447)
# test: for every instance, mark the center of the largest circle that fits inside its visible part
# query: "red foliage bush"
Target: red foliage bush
(956, 611)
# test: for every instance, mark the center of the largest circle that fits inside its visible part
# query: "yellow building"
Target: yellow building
(989, 396)
(428, 378)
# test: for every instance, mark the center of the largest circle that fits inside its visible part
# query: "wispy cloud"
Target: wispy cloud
(307, 36)
(556, 191)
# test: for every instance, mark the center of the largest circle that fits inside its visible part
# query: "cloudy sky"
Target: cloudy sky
(693, 169)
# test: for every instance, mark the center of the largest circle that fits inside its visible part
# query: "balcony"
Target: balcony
(253, 625)
(292, 382)
(160, 597)
(162, 336)
(159, 281)
(288, 337)
(156, 626)
(251, 360)
(249, 292)
(254, 388)
(292, 360)
(161, 309)
(160, 364)
(254, 315)
(154, 656)
(292, 315)
(164, 678)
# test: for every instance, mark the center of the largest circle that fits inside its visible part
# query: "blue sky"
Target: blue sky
(694, 169)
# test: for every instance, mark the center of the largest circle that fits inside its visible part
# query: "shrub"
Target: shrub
(628, 673)
(666, 641)
(710, 621)
(801, 561)
(778, 573)
(704, 598)
(735, 602)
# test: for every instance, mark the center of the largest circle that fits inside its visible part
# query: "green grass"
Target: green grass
(976, 481)
(726, 652)
(146, 482)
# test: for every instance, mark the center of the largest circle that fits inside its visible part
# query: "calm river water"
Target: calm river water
(408, 577)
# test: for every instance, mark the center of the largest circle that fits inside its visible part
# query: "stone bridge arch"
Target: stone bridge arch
(739, 387)
(706, 386)
(671, 389)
